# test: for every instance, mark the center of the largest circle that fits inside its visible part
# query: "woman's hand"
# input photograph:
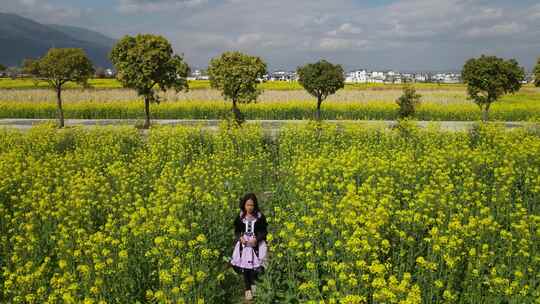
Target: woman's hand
(252, 242)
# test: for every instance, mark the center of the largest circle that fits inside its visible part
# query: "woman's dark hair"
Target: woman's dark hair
(247, 197)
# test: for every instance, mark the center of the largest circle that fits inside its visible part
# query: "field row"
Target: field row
(6, 83)
(355, 215)
(76, 95)
(377, 110)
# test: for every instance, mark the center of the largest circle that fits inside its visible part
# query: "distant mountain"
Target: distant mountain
(22, 38)
(84, 35)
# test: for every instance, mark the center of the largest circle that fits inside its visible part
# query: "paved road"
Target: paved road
(270, 125)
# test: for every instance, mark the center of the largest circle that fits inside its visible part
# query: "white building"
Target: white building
(376, 77)
(360, 76)
(420, 77)
(109, 73)
(198, 75)
(282, 76)
(447, 78)
(392, 77)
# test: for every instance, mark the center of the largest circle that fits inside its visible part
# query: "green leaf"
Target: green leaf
(321, 79)
(146, 62)
(236, 75)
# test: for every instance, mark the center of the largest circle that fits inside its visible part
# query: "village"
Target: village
(366, 76)
(354, 76)
(359, 76)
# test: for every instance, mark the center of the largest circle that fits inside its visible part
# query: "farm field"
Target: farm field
(356, 215)
(28, 83)
(444, 104)
(197, 152)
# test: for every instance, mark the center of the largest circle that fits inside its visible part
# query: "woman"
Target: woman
(249, 255)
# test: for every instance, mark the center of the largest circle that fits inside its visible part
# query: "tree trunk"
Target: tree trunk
(318, 112)
(60, 112)
(238, 117)
(485, 113)
(147, 113)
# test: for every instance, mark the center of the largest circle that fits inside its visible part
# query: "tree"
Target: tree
(30, 67)
(146, 62)
(58, 67)
(321, 79)
(236, 75)
(13, 72)
(408, 102)
(536, 73)
(100, 73)
(2, 68)
(490, 77)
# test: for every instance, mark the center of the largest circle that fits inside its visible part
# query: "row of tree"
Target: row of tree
(147, 63)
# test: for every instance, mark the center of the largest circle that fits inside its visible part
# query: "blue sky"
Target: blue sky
(406, 35)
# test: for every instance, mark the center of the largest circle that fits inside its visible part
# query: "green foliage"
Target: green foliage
(146, 61)
(537, 74)
(524, 108)
(236, 75)
(356, 215)
(30, 67)
(2, 68)
(58, 67)
(490, 77)
(321, 79)
(408, 102)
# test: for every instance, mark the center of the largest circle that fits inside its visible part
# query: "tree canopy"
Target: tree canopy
(236, 75)
(408, 102)
(489, 77)
(321, 79)
(59, 66)
(146, 62)
(536, 73)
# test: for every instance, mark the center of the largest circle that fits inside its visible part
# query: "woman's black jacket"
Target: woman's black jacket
(260, 227)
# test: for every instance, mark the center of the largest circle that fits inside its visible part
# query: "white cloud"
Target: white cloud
(337, 44)
(405, 32)
(334, 44)
(43, 11)
(28, 2)
(346, 28)
(534, 12)
(402, 28)
(249, 39)
(487, 14)
(495, 30)
(149, 6)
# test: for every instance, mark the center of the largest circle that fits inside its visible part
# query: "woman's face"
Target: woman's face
(250, 206)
